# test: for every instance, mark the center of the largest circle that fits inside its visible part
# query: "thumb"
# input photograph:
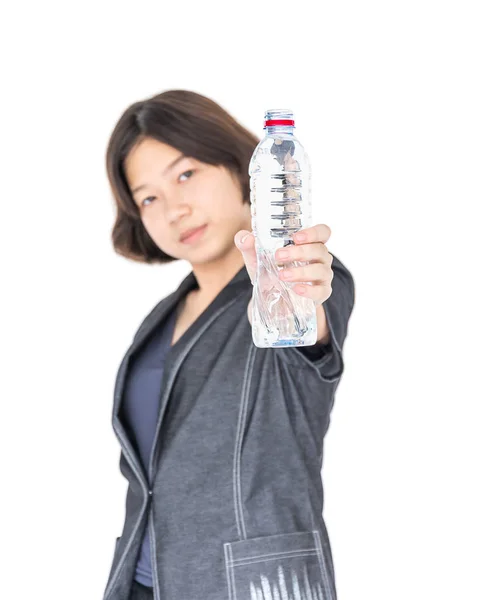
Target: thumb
(245, 242)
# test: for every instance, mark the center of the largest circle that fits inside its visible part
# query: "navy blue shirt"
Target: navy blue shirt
(140, 412)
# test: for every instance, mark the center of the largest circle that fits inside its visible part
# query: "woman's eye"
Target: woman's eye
(149, 199)
(185, 173)
(143, 203)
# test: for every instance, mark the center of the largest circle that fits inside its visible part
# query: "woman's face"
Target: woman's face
(175, 194)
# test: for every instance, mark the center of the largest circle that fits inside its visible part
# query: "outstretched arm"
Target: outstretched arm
(332, 289)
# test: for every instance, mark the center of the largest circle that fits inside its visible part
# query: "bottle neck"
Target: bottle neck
(282, 130)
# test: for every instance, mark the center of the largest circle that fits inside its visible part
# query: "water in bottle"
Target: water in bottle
(280, 195)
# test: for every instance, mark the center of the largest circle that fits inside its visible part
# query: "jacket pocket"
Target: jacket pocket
(279, 567)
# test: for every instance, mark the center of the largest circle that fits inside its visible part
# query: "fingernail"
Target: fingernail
(283, 254)
(300, 237)
(245, 237)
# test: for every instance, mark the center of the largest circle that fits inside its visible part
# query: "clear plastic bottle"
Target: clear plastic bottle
(280, 195)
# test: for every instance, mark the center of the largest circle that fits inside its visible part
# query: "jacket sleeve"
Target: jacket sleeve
(328, 358)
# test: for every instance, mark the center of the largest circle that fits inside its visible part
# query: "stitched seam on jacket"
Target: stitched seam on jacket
(232, 573)
(228, 569)
(271, 554)
(239, 516)
(292, 554)
(319, 554)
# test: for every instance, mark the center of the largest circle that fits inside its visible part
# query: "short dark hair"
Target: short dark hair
(195, 125)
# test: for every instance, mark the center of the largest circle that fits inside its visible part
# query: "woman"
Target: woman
(221, 441)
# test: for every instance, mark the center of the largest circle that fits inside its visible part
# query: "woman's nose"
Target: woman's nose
(176, 206)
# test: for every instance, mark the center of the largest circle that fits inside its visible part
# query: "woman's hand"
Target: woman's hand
(315, 278)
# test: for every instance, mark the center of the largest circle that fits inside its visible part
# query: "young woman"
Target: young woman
(221, 441)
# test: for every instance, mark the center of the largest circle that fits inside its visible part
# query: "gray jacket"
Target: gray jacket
(236, 503)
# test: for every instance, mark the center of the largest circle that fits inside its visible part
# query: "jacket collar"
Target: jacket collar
(239, 282)
(190, 281)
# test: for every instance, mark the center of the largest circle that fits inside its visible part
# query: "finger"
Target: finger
(316, 292)
(312, 272)
(245, 242)
(315, 252)
(317, 233)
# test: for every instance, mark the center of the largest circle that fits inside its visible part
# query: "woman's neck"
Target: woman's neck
(212, 277)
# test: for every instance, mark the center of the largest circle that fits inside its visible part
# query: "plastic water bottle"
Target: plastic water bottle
(280, 196)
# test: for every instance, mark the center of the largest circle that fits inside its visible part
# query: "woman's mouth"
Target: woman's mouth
(194, 235)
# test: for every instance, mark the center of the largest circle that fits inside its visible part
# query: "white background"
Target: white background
(385, 100)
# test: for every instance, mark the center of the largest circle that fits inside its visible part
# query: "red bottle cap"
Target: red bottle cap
(274, 122)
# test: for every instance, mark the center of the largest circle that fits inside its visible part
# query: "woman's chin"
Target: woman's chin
(212, 253)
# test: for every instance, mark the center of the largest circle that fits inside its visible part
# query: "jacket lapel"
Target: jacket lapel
(159, 313)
